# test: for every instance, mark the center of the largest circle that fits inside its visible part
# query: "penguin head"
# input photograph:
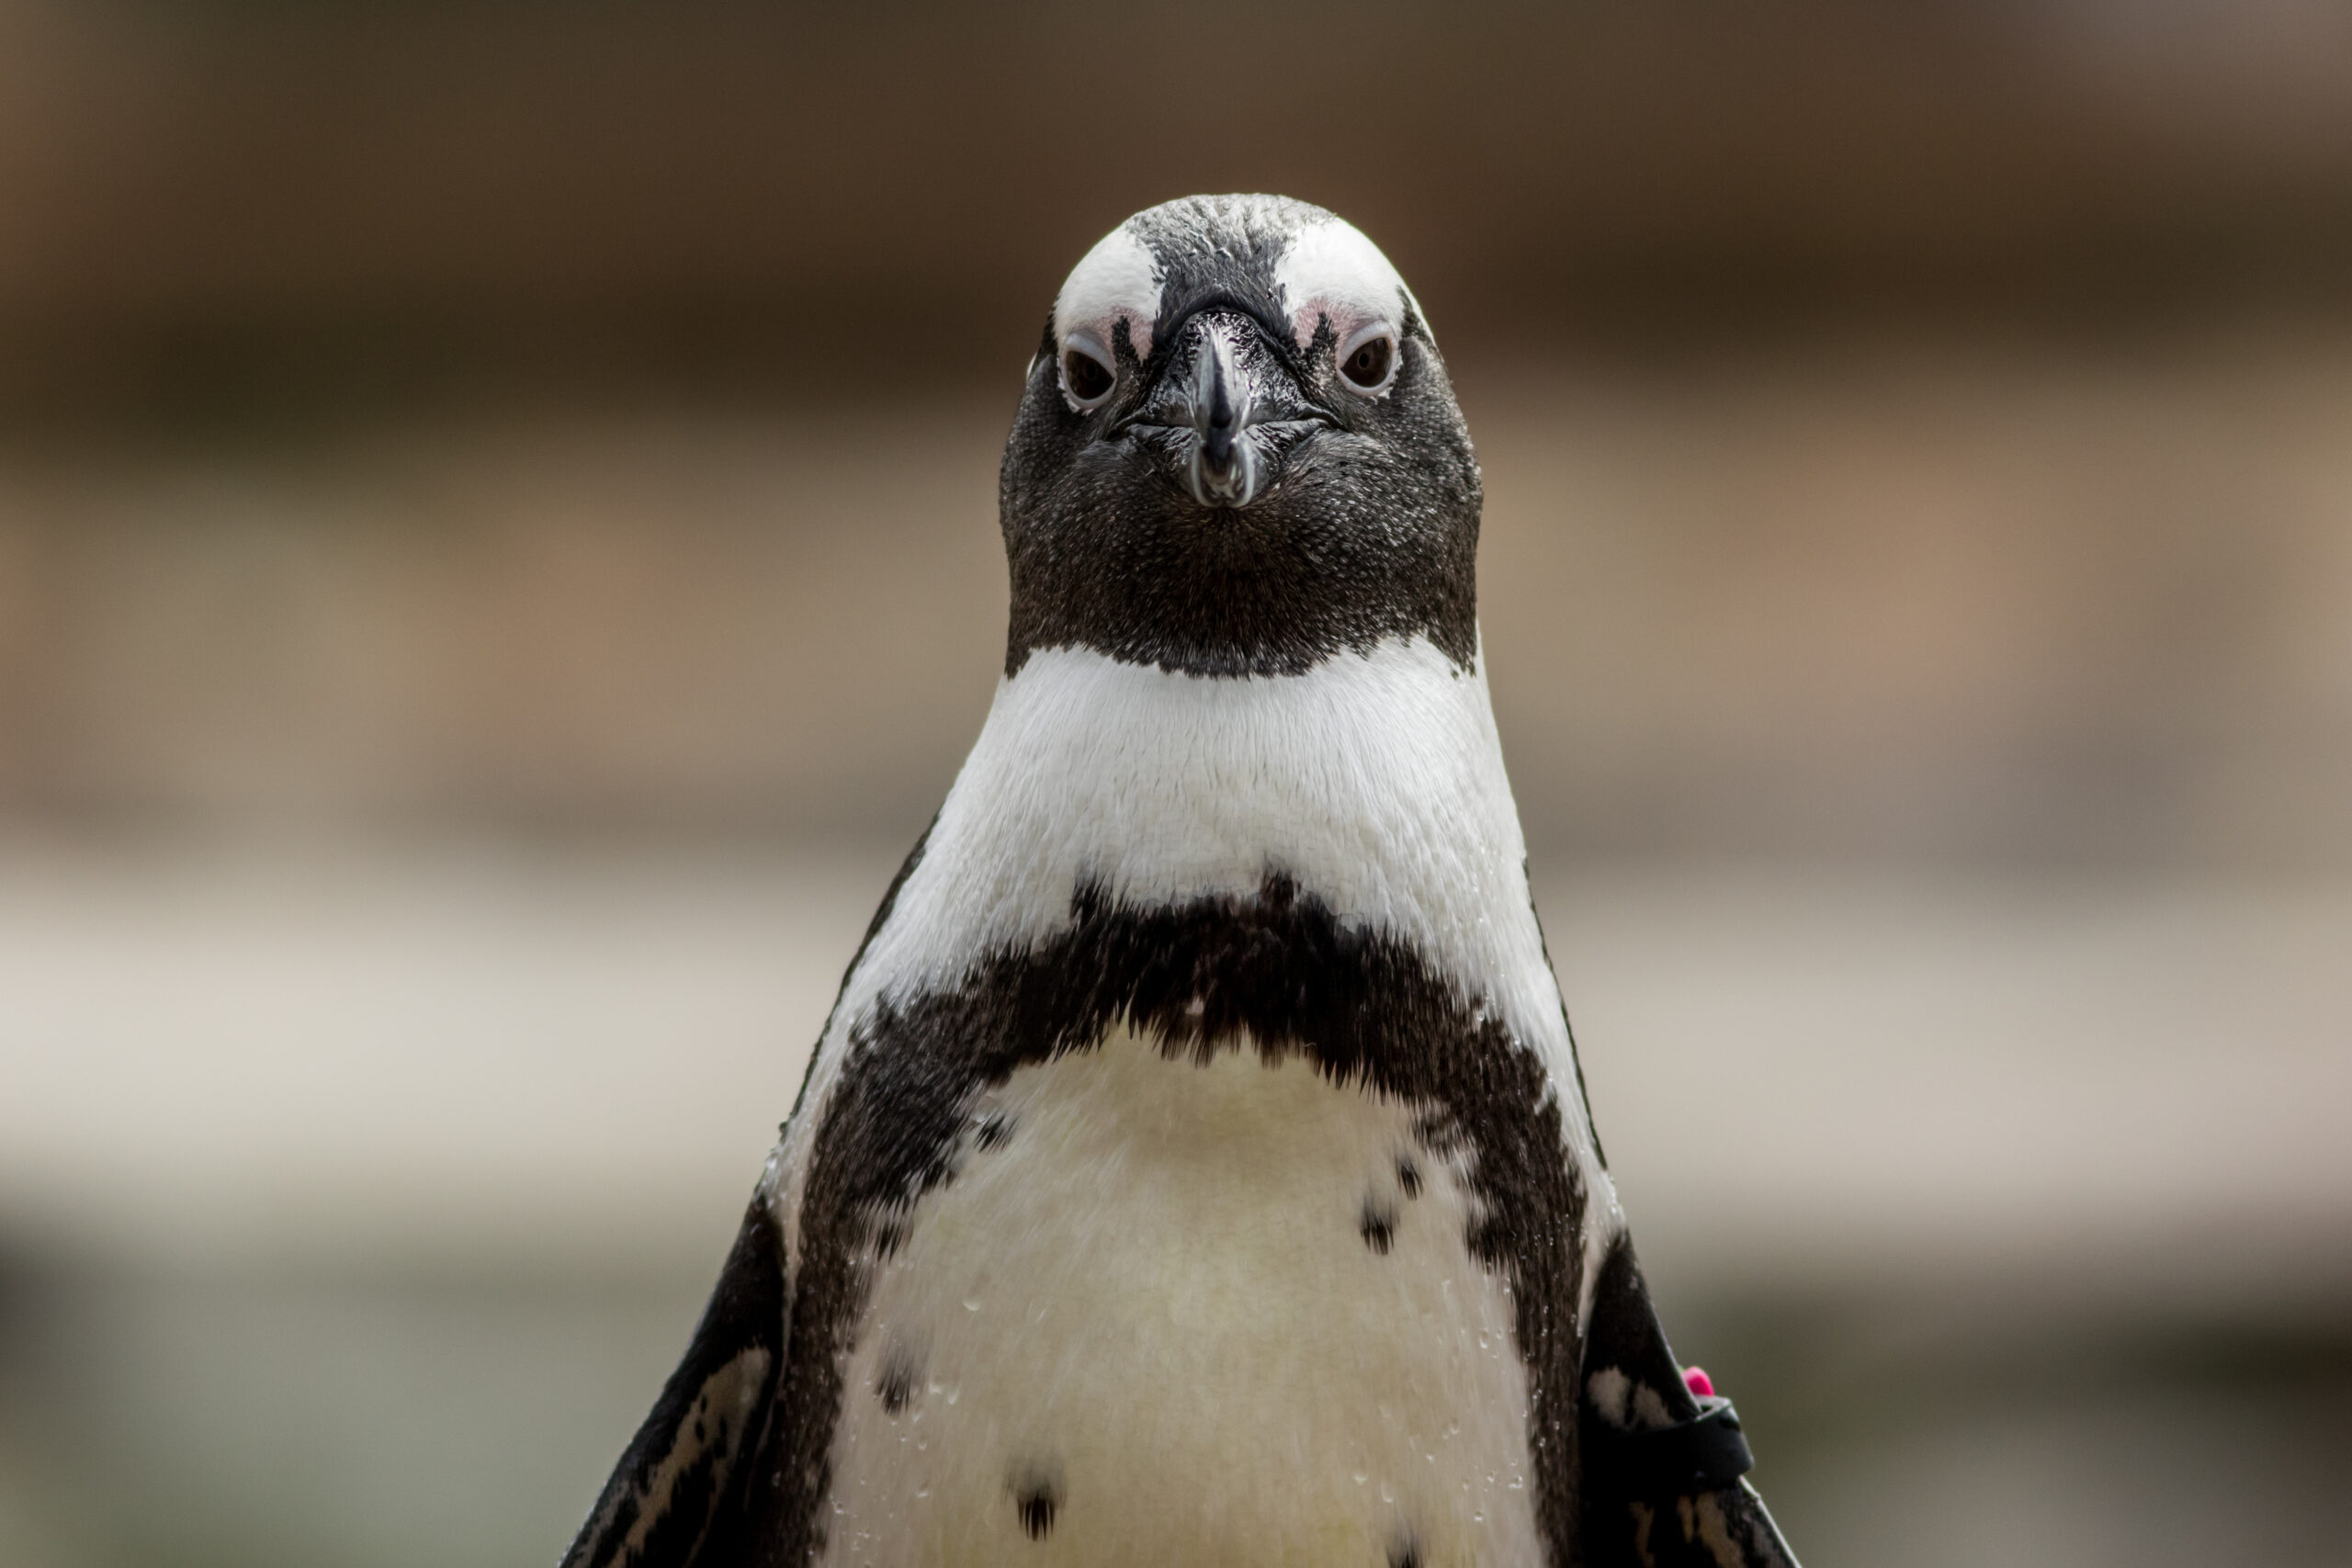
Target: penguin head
(1238, 452)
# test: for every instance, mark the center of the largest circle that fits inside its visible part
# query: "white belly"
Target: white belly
(1149, 1328)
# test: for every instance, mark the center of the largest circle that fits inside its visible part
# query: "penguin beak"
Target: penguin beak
(1224, 467)
(1227, 410)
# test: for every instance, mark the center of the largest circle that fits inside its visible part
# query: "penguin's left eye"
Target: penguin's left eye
(1368, 360)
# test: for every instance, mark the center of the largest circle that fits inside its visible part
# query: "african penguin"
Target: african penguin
(1195, 1169)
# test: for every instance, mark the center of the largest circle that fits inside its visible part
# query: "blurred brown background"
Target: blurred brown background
(497, 559)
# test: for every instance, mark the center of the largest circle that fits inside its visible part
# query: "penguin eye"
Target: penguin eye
(1087, 375)
(1368, 360)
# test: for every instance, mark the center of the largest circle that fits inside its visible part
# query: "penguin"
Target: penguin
(1196, 1167)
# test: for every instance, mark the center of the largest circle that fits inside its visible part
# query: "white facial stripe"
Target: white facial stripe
(1332, 270)
(1118, 277)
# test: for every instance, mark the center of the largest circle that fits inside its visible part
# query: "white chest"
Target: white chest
(1176, 1312)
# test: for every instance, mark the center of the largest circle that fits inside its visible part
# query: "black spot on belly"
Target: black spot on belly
(1404, 1552)
(994, 1131)
(1037, 1500)
(1409, 1175)
(1378, 1226)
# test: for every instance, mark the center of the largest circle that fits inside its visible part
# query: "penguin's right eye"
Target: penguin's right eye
(1087, 375)
(1368, 360)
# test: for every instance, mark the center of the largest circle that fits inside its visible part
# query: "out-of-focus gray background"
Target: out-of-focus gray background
(497, 560)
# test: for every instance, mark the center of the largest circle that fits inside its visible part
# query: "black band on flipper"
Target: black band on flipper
(1706, 1453)
(1669, 1496)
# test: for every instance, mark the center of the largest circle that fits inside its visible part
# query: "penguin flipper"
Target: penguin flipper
(1663, 1473)
(684, 1490)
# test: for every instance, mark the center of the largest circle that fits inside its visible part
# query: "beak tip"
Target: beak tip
(1226, 478)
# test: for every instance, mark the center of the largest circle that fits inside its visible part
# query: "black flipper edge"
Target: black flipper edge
(681, 1492)
(1663, 1469)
